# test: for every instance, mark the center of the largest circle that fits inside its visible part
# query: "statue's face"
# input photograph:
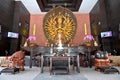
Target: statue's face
(59, 20)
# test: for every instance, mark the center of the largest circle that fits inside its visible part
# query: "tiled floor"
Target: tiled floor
(32, 73)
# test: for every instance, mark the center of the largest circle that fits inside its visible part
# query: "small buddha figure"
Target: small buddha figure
(47, 43)
(71, 43)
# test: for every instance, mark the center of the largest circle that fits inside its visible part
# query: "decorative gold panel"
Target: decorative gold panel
(59, 25)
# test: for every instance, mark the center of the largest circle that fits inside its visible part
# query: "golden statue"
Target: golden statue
(59, 25)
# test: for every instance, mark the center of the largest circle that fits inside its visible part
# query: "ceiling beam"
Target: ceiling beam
(46, 5)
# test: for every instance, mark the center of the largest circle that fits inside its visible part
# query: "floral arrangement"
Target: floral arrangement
(88, 39)
(31, 41)
(31, 38)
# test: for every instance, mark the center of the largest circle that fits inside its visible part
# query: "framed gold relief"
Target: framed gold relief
(59, 25)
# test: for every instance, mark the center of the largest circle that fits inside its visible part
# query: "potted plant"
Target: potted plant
(88, 40)
(32, 41)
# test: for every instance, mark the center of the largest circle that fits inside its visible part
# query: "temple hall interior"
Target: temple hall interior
(59, 39)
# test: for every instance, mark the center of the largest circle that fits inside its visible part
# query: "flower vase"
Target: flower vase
(88, 44)
(32, 45)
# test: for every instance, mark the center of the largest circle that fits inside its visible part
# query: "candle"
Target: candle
(85, 28)
(34, 29)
